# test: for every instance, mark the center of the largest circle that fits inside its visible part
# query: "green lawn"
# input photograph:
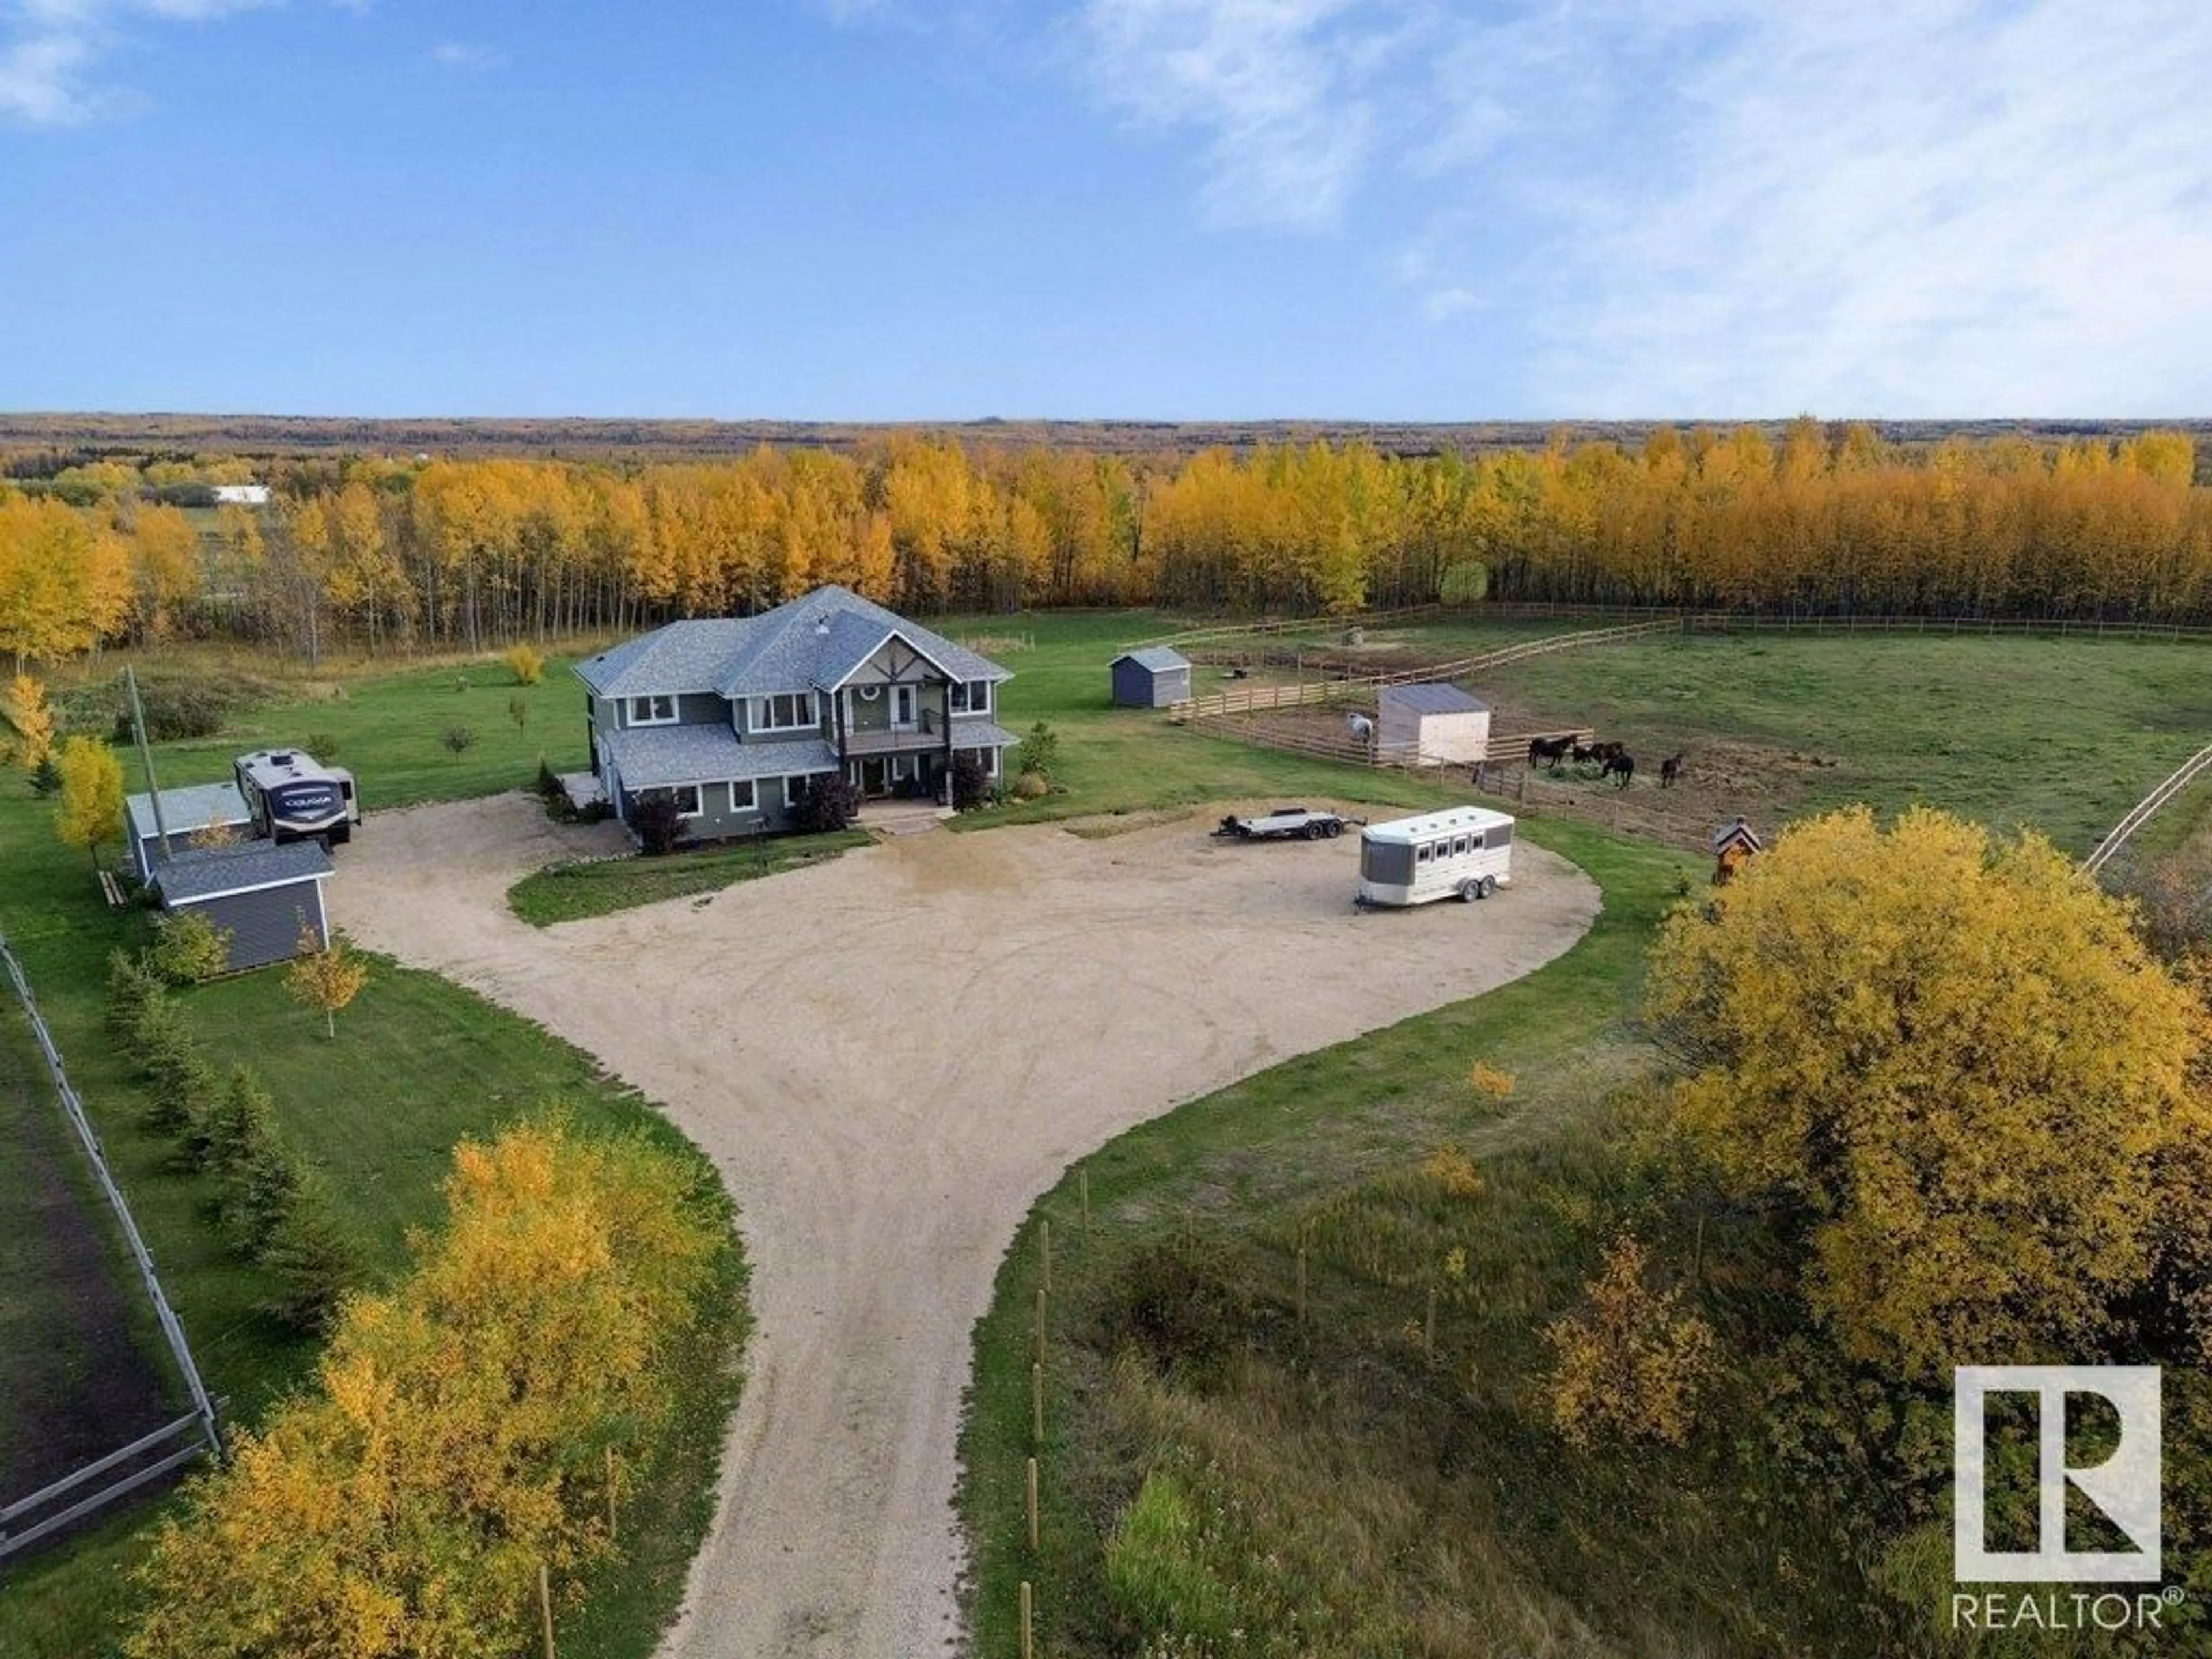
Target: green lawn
(417, 1064)
(1392, 1494)
(598, 887)
(2063, 734)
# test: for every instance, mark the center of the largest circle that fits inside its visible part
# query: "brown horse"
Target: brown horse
(1551, 750)
(1669, 769)
(1623, 766)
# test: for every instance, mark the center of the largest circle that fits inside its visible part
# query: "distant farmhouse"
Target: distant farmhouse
(247, 495)
(735, 716)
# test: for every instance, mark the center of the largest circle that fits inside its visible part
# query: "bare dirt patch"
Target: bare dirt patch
(888, 1057)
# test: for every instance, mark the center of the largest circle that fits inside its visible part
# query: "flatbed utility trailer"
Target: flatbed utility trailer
(1284, 823)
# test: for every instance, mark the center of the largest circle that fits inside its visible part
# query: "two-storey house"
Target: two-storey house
(735, 715)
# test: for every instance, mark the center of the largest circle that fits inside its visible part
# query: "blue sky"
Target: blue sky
(866, 209)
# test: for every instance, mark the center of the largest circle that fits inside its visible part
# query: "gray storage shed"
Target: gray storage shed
(1150, 679)
(189, 811)
(262, 892)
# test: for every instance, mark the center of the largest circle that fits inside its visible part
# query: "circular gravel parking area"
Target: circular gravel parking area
(888, 1057)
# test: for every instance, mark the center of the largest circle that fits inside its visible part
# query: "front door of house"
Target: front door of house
(873, 780)
(905, 701)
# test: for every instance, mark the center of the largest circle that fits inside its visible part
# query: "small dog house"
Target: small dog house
(206, 811)
(1432, 725)
(263, 892)
(1150, 679)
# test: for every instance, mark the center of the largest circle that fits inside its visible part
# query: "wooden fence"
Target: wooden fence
(2146, 809)
(1247, 699)
(29, 1519)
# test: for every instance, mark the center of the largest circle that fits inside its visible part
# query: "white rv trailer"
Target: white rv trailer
(293, 798)
(1462, 853)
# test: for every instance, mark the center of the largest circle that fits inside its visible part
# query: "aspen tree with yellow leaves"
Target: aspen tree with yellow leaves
(324, 977)
(90, 812)
(464, 1426)
(1955, 1057)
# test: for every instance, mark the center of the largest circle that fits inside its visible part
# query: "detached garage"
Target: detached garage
(1150, 679)
(262, 892)
(1432, 725)
(188, 813)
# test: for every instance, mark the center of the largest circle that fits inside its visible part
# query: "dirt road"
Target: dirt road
(888, 1057)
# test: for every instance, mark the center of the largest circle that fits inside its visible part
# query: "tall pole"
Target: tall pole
(146, 757)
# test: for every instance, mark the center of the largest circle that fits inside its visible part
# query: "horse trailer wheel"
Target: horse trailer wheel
(1335, 828)
(1485, 887)
(1469, 891)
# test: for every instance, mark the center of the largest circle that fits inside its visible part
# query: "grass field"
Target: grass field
(417, 1063)
(1350, 1482)
(2064, 735)
(570, 892)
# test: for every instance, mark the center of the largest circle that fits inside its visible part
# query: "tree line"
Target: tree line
(388, 555)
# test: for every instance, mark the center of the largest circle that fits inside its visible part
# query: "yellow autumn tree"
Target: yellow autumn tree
(1954, 1057)
(324, 977)
(463, 1428)
(29, 737)
(1631, 1362)
(90, 810)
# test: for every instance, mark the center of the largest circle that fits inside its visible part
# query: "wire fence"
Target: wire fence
(26, 1520)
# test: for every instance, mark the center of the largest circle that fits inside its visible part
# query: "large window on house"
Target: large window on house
(687, 799)
(655, 710)
(742, 795)
(794, 790)
(787, 711)
(970, 697)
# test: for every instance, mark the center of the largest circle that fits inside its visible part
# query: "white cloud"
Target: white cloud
(1731, 206)
(49, 50)
(1283, 87)
(457, 55)
(1950, 208)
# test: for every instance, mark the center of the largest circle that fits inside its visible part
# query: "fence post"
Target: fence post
(1029, 1641)
(1036, 1406)
(545, 1605)
(1044, 1239)
(1083, 1190)
(1033, 1505)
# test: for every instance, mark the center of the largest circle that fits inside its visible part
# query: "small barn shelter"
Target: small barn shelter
(188, 812)
(1733, 846)
(262, 892)
(1432, 725)
(1150, 679)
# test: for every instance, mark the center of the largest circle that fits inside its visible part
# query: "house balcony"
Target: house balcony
(905, 740)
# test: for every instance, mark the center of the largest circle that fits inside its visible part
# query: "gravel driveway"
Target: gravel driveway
(888, 1057)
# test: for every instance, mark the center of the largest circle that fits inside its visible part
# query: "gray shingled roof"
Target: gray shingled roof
(779, 650)
(204, 874)
(1159, 658)
(981, 734)
(187, 809)
(1435, 699)
(656, 756)
(684, 656)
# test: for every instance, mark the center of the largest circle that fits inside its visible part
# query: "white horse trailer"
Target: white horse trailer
(1462, 853)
